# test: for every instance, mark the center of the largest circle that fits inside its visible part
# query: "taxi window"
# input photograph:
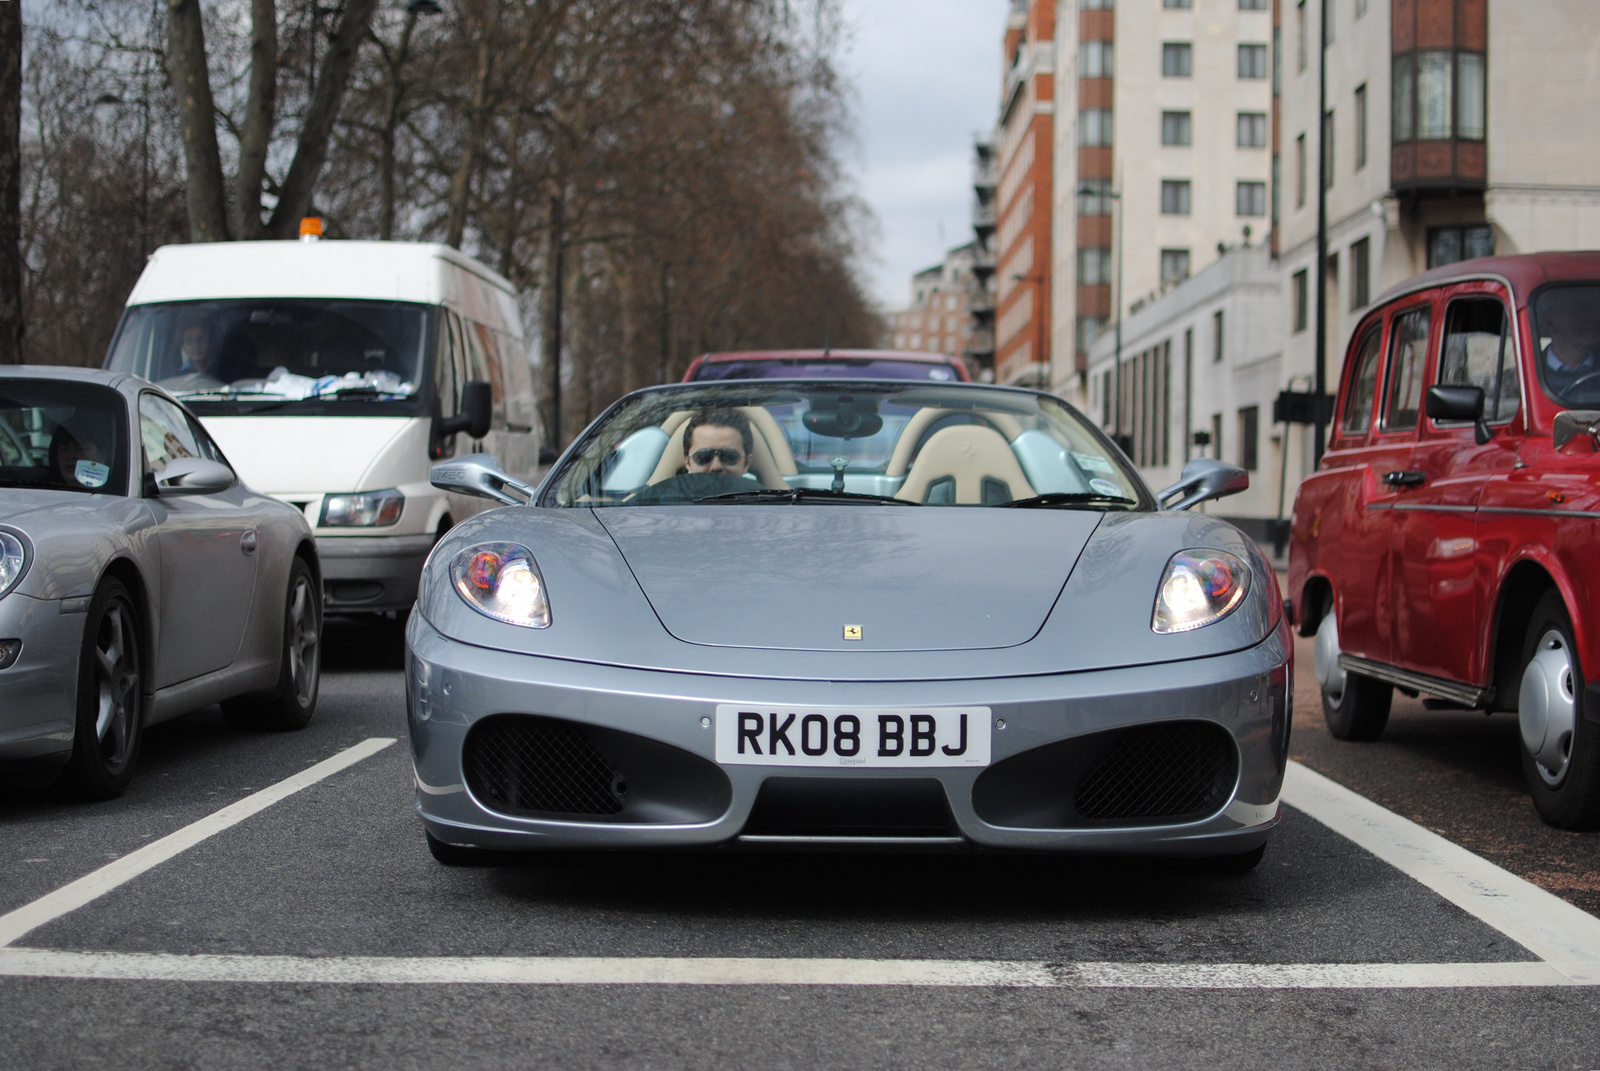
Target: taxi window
(1363, 385)
(1478, 353)
(1408, 348)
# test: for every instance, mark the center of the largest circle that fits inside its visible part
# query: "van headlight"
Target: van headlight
(502, 581)
(13, 561)
(1199, 587)
(368, 509)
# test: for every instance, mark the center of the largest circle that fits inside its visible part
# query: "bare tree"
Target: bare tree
(11, 182)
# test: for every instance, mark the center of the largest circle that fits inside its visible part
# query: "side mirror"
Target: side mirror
(480, 475)
(477, 412)
(1570, 423)
(1459, 403)
(1203, 479)
(194, 476)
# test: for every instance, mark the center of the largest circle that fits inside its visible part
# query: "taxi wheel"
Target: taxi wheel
(291, 705)
(457, 855)
(1560, 752)
(110, 718)
(1355, 707)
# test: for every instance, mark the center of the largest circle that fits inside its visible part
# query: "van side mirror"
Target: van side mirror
(1203, 479)
(1459, 403)
(477, 412)
(481, 476)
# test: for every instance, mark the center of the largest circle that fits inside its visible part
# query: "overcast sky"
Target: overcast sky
(927, 74)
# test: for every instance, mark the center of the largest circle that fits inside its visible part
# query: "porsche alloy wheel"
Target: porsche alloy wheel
(1560, 760)
(110, 717)
(1355, 707)
(292, 703)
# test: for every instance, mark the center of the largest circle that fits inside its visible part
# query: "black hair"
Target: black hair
(721, 418)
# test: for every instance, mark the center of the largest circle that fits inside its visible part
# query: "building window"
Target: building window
(1089, 328)
(1469, 96)
(1447, 245)
(1252, 61)
(1216, 436)
(1095, 59)
(1403, 99)
(1252, 130)
(1094, 126)
(1250, 199)
(1096, 5)
(1177, 3)
(1177, 59)
(1361, 127)
(1249, 433)
(1438, 95)
(1361, 8)
(1327, 151)
(1433, 95)
(1252, 5)
(1216, 337)
(1300, 171)
(1360, 274)
(1176, 128)
(1174, 197)
(1094, 266)
(1300, 36)
(1174, 266)
(1299, 296)
(1328, 21)
(1094, 197)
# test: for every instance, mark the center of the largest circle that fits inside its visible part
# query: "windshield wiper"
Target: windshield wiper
(1077, 498)
(804, 494)
(226, 392)
(343, 393)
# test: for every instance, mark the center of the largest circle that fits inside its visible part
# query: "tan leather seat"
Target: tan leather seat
(965, 465)
(771, 459)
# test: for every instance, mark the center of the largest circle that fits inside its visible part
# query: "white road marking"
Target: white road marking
(715, 971)
(96, 884)
(1546, 925)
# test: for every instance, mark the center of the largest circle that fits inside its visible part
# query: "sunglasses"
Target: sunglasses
(726, 455)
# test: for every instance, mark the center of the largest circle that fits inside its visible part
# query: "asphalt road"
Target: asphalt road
(339, 871)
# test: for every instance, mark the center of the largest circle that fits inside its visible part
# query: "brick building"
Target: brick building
(940, 316)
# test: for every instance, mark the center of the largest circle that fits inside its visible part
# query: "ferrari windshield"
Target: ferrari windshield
(250, 352)
(62, 436)
(1566, 323)
(841, 442)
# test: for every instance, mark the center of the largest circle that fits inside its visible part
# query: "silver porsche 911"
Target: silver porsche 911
(139, 580)
(831, 613)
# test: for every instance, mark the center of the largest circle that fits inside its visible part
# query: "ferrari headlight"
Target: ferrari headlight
(1199, 587)
(501, 580)
(13, 560)
(369, 509)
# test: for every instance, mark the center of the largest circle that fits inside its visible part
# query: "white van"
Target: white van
(333, 374)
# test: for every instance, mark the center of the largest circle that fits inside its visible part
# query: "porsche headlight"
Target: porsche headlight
(13, 560)
(1199, 587)
(369, 509)
(501, 580)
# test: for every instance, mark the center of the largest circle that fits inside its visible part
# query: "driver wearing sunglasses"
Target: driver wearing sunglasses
(718, 440)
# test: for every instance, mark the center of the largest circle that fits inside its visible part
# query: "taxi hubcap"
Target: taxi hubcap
(1547, 707)
(1326, 660)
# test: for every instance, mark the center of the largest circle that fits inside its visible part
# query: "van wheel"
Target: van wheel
(292, 703)
(1560, 754)
(1355, 707)
(110, 716)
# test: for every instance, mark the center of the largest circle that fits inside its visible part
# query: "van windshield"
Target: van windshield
(275, 354)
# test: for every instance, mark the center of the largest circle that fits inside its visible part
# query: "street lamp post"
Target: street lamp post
(1116, 407)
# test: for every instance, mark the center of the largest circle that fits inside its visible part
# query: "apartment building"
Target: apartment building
(1023, 155)
(1163, 154)
(940, 316)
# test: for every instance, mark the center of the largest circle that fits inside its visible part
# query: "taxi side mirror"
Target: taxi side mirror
(1459, 402)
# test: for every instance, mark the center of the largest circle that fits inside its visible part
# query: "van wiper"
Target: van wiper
(227, 392)
(1077, 498)
(343, 393)
(804, 494)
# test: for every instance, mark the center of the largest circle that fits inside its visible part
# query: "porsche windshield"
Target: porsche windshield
(833, 442)
(62, 436)
(277, 355)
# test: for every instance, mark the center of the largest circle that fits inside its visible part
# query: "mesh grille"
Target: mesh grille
(525, 764)
(1159, 771)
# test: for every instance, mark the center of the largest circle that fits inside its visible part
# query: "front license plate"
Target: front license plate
(756, 735)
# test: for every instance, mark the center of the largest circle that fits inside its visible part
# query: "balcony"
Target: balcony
(984, 217)
(984, 173)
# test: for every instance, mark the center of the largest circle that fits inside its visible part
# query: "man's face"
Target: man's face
(1574, 326)
(196, 350)
(711, 447)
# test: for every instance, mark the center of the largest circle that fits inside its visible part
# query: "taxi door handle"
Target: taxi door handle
(1404, 478)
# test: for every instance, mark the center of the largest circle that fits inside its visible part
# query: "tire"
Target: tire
(1355, 707)
(110, 714)
(291, 704)
(1560, 750)
(457, 855)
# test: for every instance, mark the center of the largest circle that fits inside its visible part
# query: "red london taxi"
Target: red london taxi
(1447, 544)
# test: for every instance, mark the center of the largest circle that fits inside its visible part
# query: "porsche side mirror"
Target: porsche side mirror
(477, 412)
(194, 476)
(1201, 480)
(1570, 423)
(480, 475)
(1458, 402)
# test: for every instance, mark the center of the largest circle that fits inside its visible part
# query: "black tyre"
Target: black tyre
(1355, 707)
(1560, 751)
(110, 719)
(291, 705)
(457, 855)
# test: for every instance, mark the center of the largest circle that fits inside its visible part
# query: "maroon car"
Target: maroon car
(1446, 545)
(841, 364)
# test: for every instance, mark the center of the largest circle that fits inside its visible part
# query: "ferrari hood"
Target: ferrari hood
(294, 454)
(812, 578)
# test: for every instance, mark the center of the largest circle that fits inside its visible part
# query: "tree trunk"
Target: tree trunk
(259, 108)
(391, 122)
(11, 182)
(294, 198)
(461, 181)
(197, 120)
(579, 387)
(550, 288)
